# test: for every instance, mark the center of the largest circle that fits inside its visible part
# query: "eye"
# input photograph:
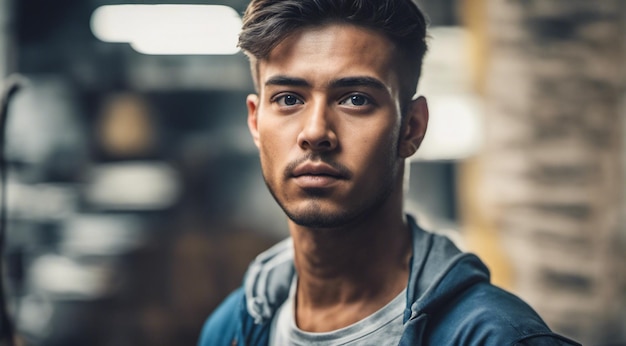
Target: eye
(287, 100)
(356, 100)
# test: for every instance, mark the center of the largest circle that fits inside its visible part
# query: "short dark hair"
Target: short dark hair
(266, 23)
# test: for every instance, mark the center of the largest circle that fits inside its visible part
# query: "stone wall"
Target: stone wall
(552, 170)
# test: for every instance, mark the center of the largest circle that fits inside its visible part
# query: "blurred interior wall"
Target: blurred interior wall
(551, 180)
(4, 36)
(7, 38)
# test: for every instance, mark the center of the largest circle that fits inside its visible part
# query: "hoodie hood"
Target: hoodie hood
(268, 279)
(439, 270)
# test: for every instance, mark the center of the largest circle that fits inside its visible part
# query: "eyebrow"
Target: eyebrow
(287, 81)
(358, 82)
(347, 82)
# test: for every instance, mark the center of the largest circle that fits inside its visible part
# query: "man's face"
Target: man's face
(328, 126)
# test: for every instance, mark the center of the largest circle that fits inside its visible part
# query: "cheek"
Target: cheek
(382, 142)
(385, 151)
(266, 155)
(375, 157)
(270, 154)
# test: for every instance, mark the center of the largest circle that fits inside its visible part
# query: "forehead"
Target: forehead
(331, 51)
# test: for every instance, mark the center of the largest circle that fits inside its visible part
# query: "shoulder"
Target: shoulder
(221, 327)
(488, 315)
(248, 310)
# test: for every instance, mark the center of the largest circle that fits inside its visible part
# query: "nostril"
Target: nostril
(325, 144)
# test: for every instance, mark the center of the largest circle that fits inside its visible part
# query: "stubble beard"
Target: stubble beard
(313, 216)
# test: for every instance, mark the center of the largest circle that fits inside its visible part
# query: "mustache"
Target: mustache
(316, 157)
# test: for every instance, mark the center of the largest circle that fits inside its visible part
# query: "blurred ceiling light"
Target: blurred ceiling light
(169, 29)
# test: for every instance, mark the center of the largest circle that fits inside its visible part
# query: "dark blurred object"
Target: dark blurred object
(12, 85)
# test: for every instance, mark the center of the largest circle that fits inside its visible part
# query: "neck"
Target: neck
(347, 273)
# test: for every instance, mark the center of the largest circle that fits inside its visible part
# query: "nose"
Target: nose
(317, 132)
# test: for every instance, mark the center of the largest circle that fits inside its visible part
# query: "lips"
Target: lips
(321, 169)
(317, 175)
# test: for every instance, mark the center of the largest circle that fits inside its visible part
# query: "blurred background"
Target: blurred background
(135, 199)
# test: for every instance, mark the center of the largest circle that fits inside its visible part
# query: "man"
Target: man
(334, 119)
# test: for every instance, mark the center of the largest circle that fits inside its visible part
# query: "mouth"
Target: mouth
(318, 169)
(318, 175)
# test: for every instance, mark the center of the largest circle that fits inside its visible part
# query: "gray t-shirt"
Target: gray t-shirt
(384, 327)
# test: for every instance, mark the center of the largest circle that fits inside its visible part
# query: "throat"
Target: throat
(349, 308)
(345, 276)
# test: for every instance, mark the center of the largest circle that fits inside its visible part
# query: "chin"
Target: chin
(318, 221)
(313, 216)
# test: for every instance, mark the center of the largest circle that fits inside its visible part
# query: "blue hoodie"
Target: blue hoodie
(450, 301)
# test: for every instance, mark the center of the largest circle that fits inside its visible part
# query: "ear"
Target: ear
(252, 102)
(413, 127)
